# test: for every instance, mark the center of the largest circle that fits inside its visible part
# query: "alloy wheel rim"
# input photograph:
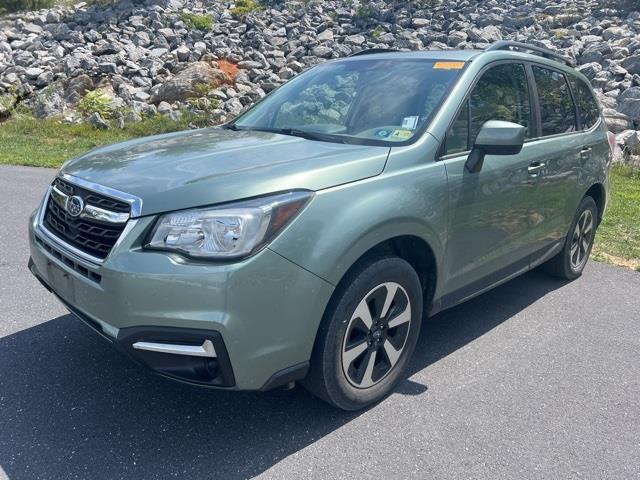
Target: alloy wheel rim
(581, 240)
(376, 335)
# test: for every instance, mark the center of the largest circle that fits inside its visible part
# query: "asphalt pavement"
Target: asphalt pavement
(537, 379)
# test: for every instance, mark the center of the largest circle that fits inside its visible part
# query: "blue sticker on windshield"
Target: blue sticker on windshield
(383, 133)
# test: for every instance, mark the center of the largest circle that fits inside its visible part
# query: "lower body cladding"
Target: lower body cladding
(249, 325)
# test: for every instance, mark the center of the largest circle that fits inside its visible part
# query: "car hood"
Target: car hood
(209, 166)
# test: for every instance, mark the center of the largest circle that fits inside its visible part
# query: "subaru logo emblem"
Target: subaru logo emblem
(75, 205)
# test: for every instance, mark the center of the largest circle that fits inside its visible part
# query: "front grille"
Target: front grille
(90, 236)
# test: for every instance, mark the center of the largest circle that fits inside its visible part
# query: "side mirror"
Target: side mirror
(495, 138)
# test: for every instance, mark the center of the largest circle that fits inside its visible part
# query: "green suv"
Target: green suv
(307, 239)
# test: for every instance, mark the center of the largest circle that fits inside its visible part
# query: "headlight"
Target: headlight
(228, 231)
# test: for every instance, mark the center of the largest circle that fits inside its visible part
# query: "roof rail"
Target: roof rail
(544, 52)
(371, 51)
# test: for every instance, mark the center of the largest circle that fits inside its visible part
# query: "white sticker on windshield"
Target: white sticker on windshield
(410, 123)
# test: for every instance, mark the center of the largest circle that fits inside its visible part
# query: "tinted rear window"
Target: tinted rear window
(557, 111)
(588, 108)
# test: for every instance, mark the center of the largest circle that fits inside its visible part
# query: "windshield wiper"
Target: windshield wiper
(296, 132)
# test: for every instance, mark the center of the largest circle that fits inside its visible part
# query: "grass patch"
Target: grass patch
(618, 238)
(11, 6)
(197, 21)
(48, 143)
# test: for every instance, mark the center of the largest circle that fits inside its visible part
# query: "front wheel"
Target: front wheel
(570, 262)
(367, 335)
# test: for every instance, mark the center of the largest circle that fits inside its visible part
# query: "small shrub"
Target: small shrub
(9, 6)
(96, 102)
(197, 21)
(377, 32)
(201, 89)
(243, 7)
(364, 12)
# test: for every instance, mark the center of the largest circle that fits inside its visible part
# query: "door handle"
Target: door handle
(585, 154)
(535, 168)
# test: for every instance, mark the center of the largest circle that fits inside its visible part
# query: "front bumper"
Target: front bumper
(261, 314)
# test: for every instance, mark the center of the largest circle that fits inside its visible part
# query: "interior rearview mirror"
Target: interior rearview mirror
(495, 138)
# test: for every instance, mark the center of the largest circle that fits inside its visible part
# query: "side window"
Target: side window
(501, 94)
(588, 108)
(557, 111)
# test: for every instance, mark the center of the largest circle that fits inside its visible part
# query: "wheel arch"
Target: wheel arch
(599, 195)
(412, 248)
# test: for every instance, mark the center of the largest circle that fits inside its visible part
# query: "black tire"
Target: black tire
(368, 284)
(563, 264)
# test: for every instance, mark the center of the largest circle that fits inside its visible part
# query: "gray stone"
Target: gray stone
(164, 108)
(158, 52)
(76, 88)
(107, 68)
(32, 28)
(590, 70)
(629, 103)
(131, 117)
(141, 96)
(456, 37)
(322, 52)
(186, 83)
(420, 22)
(44, 79)
(49, 102)
(325, 35)
(183, 53)
(355, 39)
(97, 121)
(632, 64)
(629, 140)
(33, 72)
(53, 17)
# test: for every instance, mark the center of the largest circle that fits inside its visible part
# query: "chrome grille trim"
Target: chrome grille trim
(135, 202)
(90, 211)
(57, 242)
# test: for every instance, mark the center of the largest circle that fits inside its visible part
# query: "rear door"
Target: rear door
(494, 214)
(561, 145)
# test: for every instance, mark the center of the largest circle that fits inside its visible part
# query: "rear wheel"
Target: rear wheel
(367, 335)
(570, 262)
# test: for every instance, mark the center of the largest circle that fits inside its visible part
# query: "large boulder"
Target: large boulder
(49, 102)
(632, 64)
(629, 103)
(188, 83)
(616, 121)
(76, 88)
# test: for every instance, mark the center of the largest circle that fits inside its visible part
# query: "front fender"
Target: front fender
(342, 223)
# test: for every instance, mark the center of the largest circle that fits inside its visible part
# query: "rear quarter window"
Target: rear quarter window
(588, 107)
(557, 110)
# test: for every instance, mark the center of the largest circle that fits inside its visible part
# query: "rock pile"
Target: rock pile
(148, 56)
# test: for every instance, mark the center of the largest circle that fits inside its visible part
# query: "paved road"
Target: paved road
(536, 379)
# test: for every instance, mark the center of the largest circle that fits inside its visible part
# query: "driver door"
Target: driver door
(493, 213)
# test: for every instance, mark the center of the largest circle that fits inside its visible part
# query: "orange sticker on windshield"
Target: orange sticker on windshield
(449, 65)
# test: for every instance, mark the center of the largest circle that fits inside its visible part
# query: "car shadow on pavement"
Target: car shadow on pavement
(72, 406)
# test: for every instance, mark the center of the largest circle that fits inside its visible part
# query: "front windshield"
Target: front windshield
(370, 101)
